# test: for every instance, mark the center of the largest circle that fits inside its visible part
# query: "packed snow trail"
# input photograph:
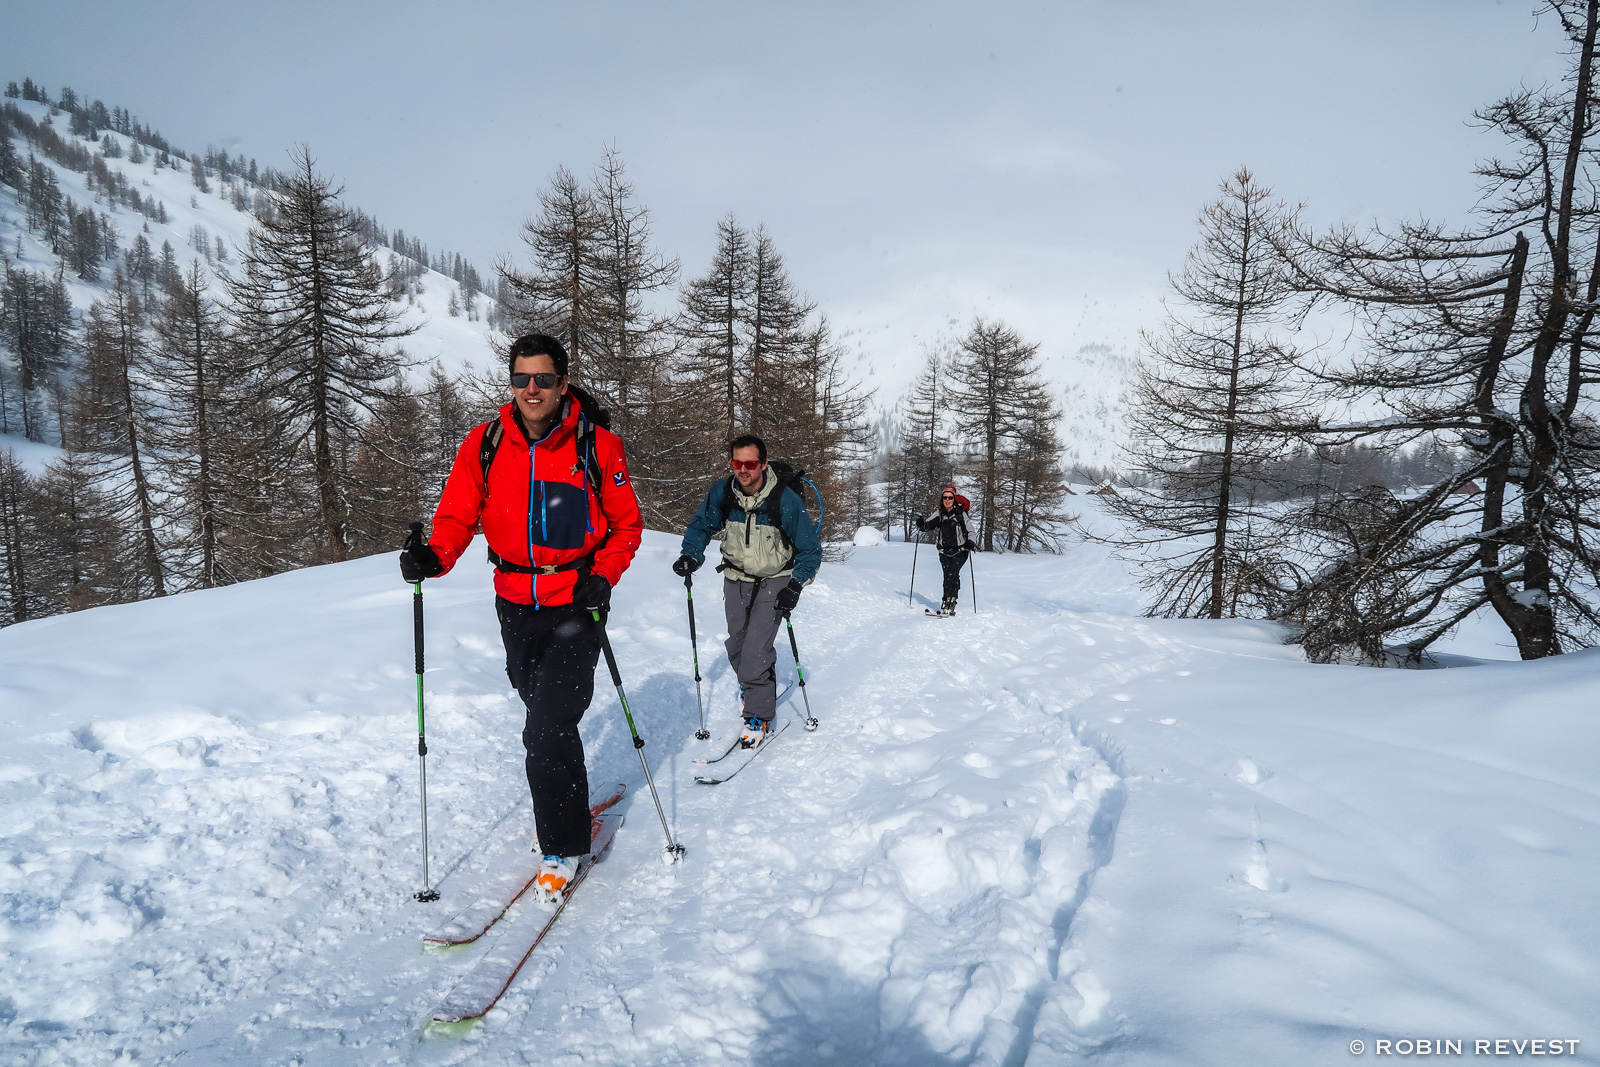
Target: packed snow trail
(1051, 831)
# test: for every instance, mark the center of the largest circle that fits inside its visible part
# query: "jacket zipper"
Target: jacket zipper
(544, 529)
(533, 579)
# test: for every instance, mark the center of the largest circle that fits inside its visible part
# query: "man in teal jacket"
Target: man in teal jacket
(765, 566)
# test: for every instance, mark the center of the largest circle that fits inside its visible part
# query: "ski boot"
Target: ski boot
(949, 606)
(754, 731)
(555, 874)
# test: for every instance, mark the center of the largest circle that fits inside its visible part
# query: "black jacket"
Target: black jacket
(952, 529)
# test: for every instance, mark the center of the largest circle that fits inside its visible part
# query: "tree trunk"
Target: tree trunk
(141, 486)
(1501, 439)
(1219, 546)
(322, 445)
(202, 431)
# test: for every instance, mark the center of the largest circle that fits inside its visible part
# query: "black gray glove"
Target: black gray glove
(685, 566)
(592, 593)
(418, 560)
(789, 596)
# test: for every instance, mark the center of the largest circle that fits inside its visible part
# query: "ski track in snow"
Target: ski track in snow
(1048, 832)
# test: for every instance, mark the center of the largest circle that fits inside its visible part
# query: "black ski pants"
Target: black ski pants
(551, 655)
(952, 562)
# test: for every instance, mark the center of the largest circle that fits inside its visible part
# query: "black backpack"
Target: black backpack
(788, 478)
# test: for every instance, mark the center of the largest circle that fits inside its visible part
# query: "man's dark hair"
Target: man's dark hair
(748, 440)
(538, 344)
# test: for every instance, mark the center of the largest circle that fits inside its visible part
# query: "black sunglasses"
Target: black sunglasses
(542, 380)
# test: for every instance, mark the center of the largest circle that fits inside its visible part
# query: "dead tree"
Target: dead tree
(1485, 334)
(1204, 419)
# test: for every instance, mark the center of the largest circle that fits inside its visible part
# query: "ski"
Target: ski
(506, 888)
(482, 987)
(724, 754)
(936, 614)
(722, 774)
(732, 748)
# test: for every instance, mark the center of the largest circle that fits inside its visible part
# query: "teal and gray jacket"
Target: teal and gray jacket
(751, 548)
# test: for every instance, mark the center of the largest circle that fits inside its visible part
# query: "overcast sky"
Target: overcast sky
(916, 162)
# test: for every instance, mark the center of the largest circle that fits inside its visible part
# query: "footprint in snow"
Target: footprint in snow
(1256, 869)
(1250, 773)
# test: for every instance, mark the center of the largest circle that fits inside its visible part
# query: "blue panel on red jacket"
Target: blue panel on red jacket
(560, 516)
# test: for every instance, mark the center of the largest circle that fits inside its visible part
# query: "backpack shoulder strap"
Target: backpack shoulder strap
(774, 509)
(488, 445)
(587, 452)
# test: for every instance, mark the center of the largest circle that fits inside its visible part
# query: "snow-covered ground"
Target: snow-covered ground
(34, 456)
(1047, 832)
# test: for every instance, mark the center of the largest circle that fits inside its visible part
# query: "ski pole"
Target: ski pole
(427, 892)
(674, 850)
(701, 734)
(909, 596)
(972, 570)
(811, 720)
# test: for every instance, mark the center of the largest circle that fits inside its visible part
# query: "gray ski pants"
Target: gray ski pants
(753, 622)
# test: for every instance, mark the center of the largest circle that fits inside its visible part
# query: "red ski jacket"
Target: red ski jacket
(541, 508)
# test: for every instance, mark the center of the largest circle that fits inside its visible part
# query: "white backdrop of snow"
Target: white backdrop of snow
(1049, 831)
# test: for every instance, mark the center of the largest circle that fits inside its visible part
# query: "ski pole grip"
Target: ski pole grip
(416, 600)
(416, 624)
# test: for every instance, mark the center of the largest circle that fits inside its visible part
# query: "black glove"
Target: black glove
(418, 560)
(592, 593)
(789, 596)
(685, 566)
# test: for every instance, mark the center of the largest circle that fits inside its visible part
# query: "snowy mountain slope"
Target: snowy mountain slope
(455, 340)
(1050, 831)
(1089, 382)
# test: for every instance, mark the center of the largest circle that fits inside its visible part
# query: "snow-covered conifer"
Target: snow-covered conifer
(115, 413)
(311, 305)
(999, 400)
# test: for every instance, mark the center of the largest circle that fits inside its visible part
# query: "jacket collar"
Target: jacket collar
(567, 424)
(748, 502)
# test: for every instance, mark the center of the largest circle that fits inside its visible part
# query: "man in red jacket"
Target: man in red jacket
(549, 485)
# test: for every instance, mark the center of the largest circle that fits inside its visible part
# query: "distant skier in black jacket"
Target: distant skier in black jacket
(950, 520)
